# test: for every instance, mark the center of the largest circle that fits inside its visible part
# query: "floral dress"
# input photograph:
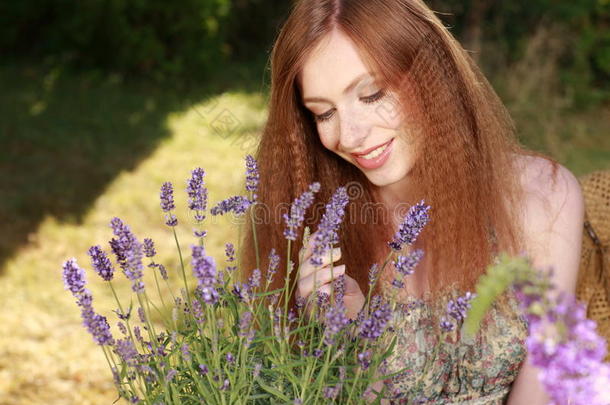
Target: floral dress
(478, 370)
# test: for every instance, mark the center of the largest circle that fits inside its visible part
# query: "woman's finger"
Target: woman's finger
(307, 285)
(307, 268)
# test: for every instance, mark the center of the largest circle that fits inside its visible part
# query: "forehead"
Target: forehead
(331, 66)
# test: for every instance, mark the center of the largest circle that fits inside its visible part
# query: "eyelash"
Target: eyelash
(369, 100)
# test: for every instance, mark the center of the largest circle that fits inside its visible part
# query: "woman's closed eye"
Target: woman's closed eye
(368, 100)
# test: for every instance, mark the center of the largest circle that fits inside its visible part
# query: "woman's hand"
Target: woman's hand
(353, 296)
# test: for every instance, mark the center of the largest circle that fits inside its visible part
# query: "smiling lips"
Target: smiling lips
(374, 157)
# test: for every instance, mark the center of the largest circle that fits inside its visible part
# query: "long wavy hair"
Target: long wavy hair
(463, 136)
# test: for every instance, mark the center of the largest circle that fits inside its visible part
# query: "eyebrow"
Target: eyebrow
(350, 86)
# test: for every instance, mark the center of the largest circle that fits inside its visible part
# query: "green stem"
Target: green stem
(188, 294)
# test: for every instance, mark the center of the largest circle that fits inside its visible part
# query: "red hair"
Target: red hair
(463, 137)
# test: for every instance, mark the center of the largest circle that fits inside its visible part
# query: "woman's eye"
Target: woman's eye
(375, 97)
(323, 117)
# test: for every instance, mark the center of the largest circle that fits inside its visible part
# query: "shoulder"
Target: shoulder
(549, 191)
(553, 217)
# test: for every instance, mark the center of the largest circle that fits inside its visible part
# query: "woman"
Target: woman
(378, 95)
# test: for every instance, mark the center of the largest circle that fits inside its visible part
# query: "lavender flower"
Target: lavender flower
(446, 325)
(255, 279)
(203, 369)
(230, 358)
(122, 327)
(297, 211)
(198, 194)
(252, 176)
(240, 290)
(457, 308)
(162, 270)
(128, 252)
(336, 320)
(141, 315)
(373, 327)
(74, 277)
(149, 247)
(564, 344)
(167, 203)
(274, 262)
(364, 359)
(230, 253)
(245, 321)
(406, 264)
(98, 326)
(339, 288)
(412, 225)
(326, 235)
(257, 370)
(373, 274)
(237, 204)
(127, 351)
(170, 375)
(100, 262)
(204, 267)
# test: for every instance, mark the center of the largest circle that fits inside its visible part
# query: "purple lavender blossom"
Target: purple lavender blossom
(170, 375)
(138, 334)
(127, 351)
(198, 194)
(203, 369)
(297, 211)
(122, 327)
(74, 277)
(252, 176)
(364, 359)
(255, 279)
(446, 325)
(149, 248)
(167, 203)
(100, 262)
(457, 308)
(204, 267)
(198, 312)
(373, 274)
(412, 225)
(230, 253)
(563, 343)
(240, 290)
(245, 321)
(373, 327)
(339, 288)
(98, 326)
(141, 315)
(274, 262)
(237, 204)
(230, 358)
(326, 235)
(336, 320)
(162, 270)
(406, 264)
(128, 252)
(257, 370)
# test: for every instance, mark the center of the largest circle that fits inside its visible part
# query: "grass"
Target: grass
(77, 151)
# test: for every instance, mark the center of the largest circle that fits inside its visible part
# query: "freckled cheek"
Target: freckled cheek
(328, 139)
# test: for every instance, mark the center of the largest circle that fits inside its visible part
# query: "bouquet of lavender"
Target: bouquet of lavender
(227, 342)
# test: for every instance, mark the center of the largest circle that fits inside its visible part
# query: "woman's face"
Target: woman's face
(355, 118)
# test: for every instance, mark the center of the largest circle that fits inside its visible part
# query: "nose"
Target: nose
(353, 132)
